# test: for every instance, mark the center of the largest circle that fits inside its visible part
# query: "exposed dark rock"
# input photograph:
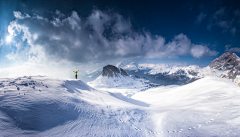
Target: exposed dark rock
(227, 62)
(124, 73)
(193, 73)
(113, 71)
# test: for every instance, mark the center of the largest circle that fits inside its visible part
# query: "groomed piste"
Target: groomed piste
(44, 106)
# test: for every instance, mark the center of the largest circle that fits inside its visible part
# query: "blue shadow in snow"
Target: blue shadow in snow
(41, 117)
(129, 100)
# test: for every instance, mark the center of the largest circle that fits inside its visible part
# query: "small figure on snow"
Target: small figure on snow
(76, 73)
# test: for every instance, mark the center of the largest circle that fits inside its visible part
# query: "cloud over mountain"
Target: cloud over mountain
(100, 36)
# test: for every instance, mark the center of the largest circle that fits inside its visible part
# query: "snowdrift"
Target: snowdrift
(206, 107)
(43, 106)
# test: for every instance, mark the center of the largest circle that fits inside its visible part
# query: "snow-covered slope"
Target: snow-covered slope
(226, 66)
(90, 76)
(207, 107)
(163, 73)
(112, 77)
(229, 63)
(47, 107)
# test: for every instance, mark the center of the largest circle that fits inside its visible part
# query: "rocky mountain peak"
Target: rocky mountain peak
(113, 71)
(227, 62)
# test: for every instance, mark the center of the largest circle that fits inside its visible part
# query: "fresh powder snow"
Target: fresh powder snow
(44, 106)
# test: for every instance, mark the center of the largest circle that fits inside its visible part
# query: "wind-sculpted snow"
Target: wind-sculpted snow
(47, 107)
(42, 106)
(206, 107)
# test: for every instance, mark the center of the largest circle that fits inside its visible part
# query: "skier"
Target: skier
(76, 73)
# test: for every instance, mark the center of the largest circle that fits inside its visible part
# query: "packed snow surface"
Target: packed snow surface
(43, 106)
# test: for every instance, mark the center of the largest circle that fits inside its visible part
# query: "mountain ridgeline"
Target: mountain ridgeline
(229, 62)
(113, 71)
(226, 66)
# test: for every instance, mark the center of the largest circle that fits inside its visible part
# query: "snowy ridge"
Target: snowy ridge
(226, 66)
(132, 66)
(196, 109)
(115, 79)
(112, 77)
(43, 106)
(120, 65)
(119, 81)
(90, 76)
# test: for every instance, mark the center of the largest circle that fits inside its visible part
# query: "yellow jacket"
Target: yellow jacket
(75, 72)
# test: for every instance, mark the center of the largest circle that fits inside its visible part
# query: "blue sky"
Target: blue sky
(55, 37)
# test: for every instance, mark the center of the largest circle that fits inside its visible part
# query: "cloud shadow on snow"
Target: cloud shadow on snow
(129, 100)
(42, 116)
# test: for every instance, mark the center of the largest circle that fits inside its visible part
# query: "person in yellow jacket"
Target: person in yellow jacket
(239, 84)
(76, 73)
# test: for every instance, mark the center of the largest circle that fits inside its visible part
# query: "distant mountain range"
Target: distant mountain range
(226, 66)
(113, 77)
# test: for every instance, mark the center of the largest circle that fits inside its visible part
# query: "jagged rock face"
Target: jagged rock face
(112, 71)
(227, 62)
(124, 73)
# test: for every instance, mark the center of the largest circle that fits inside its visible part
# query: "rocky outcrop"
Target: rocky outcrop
(113, 71)
(229, 62)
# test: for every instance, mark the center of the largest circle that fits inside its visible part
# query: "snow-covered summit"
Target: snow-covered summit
(113, 71)
(132, 66)
(226, 66)
(113, 77)
(229, 62)
(120, 65)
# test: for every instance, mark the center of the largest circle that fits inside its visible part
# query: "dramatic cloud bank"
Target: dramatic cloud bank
(100, 36)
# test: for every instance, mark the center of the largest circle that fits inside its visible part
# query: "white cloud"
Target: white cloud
(86, 40)
(200, 18)
(233, 49)
(199, 51)
(61, 69)
(122, 25)
(98, 20)
(19, 15)
(225, 20)
(179, 46)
